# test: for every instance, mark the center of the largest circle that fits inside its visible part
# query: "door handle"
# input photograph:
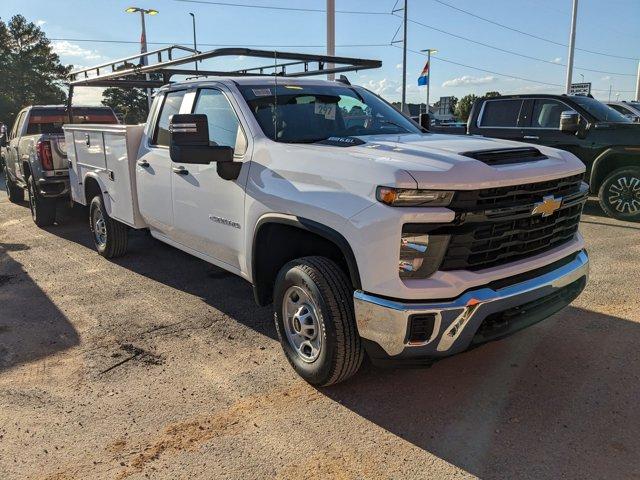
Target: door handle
(180, 170)
(531, 137)
(143, 163)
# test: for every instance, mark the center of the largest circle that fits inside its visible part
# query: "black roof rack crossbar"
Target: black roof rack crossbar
(132, 74)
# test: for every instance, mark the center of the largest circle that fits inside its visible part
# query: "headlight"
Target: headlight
(420, 253)
(405, 197)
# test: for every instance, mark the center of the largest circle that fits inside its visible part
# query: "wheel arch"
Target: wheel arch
(610, 160)
(92, 186)
(318, 239)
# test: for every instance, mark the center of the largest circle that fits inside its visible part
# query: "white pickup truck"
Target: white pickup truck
(366, 233)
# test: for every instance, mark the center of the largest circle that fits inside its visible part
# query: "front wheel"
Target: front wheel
(109, 236)
(619, 194)
(313, 310)
(43, 210)
(14, 192)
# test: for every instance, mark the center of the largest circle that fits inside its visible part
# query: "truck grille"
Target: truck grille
(498, 227)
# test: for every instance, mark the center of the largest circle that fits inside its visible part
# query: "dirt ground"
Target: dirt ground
(159, 365)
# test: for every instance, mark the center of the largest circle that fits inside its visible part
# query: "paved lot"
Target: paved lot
(209, 395)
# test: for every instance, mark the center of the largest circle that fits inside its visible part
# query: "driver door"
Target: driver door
(208, 210)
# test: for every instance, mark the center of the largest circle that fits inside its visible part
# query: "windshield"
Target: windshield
(602, 112)
(311, 113)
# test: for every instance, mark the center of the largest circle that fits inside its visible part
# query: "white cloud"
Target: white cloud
(399, 66)
(605, 78)
(68, 49)
(468, 80)
(557, 60)
(40, 23)
(87, 96)
(383, 86)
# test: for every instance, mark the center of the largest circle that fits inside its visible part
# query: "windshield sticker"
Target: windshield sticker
(261, 92)
(326, 109)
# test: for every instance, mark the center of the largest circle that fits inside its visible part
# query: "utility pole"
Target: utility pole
(403, 104)
(572, 45)
(638, 84)
(331, 34)
(195, 44)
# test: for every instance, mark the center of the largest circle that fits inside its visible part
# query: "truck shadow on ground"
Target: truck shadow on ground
(31, 326)
(158, 261)
(558, 400)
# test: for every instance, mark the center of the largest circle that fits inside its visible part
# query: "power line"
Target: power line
(511, 52)
(270, 7)
(136, 42)
(507, 75)
(484, 19)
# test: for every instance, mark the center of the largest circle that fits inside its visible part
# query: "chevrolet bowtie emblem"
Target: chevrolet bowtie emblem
(547, 206)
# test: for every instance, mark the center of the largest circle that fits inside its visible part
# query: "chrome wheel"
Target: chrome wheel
(301, 324)
(624, 195)
(99, 227)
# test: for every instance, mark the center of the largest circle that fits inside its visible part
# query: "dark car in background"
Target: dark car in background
(605, 140)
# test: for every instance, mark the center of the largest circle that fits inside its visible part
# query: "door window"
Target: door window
(223, 122)
(170, 106)
(546, 113)
(501, 113)
(18, 125)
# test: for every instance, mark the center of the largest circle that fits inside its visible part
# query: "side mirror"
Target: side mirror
(425, 121)
(190, 141)
(569, 121)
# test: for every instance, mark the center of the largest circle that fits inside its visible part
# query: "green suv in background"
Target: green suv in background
(605, 140)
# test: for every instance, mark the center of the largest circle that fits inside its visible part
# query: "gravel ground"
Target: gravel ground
(159, 365)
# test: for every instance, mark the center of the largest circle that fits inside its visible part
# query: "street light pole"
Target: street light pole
(143, 40)
(572, 45)
(403, 104)
(195, 44)
(638, 85)
(331, 34)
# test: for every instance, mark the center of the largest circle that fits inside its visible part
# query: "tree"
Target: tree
(463, 106)
(30, 72)
(131, 102)
(491, 94)
(453, 102)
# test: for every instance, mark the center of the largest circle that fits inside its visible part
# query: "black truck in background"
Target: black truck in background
(605, 140)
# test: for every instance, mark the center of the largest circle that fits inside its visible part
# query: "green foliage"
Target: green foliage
(30, 72)
(130, 102)
(453, 102)
(463, 106)
(491, 94)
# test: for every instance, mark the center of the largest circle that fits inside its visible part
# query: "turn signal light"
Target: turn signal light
(405, 197)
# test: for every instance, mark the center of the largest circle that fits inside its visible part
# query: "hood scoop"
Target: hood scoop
(506, 156)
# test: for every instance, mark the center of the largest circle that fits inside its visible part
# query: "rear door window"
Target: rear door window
(501, 113)
(170, 106)
(546, 113)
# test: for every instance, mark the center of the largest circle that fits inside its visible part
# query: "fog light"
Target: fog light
(413, 249)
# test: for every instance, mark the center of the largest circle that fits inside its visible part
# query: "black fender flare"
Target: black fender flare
(599, 163)
(312, 226)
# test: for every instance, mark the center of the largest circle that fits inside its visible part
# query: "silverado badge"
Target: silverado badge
(547, 206)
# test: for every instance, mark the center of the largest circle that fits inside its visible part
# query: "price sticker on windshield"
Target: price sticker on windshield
(326, 109)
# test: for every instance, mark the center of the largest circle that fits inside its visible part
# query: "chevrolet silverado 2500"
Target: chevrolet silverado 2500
(365, 233)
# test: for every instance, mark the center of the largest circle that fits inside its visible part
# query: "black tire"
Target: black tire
(114, 233)
(14, 192)
(619, 194)
(328, 288)
(43, 210)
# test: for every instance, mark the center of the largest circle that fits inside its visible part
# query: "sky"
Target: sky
(510, 46)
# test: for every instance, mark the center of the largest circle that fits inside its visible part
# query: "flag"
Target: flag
(423, 79)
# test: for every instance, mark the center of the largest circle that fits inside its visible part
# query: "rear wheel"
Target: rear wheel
(313, 310)
(43, 210)
(14, 192)
(620, 194)
(109, 236)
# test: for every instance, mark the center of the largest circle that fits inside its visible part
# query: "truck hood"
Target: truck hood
(436, 160)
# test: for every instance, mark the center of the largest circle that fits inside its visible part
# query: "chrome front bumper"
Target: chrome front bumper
(457, 323)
